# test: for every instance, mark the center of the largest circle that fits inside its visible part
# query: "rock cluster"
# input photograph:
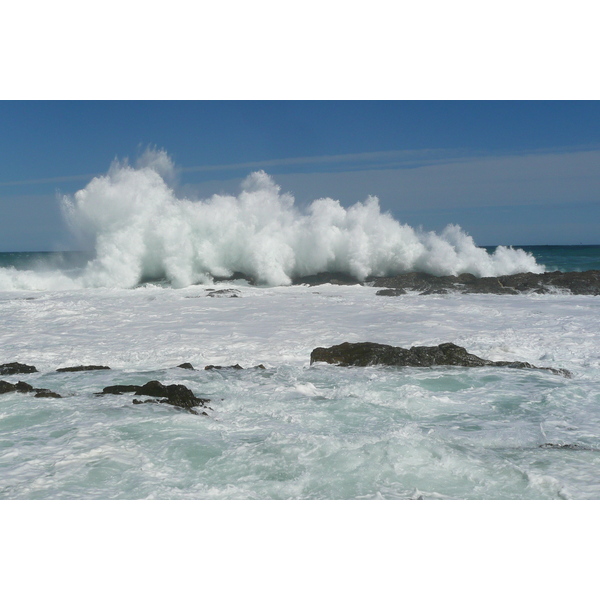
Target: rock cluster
(25, 388)
(175, 394)
(368, 353)
(587, 282)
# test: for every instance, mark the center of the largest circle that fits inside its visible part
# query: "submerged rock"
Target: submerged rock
(566, 447)
(365, 354)
(224, 293)
(186, 366)
(16, 368)
(211, 367)
(25, 388)
(587, 282)
(81, 368)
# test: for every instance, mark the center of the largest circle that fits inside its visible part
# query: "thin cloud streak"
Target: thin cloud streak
(366, 161)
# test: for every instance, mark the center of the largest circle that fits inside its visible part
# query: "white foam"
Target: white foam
(140, 229)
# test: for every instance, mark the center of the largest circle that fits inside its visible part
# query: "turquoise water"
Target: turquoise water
(563, 258)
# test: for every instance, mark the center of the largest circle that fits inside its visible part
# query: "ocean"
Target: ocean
(146, 301)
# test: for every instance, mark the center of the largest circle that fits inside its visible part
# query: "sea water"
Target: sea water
(291, 430)
(295, 430)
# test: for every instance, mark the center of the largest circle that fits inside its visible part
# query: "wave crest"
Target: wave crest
(141, 230)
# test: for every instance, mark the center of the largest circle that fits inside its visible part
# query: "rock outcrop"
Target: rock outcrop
(25, 388)
(587, 282)
(175, 394)
(368, 353)
(16, 368)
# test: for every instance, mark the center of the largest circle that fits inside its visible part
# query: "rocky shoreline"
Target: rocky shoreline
(573, 282)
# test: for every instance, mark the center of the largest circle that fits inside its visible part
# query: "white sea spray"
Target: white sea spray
(140, 229)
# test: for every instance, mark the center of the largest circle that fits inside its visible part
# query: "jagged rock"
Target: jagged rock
(224, 294)
(81, 368)
(175, 394)
(368, 353)
(587, 282)
(16, 368)
(186, 366)
(24, 388)
(44, 393)
(211, 367)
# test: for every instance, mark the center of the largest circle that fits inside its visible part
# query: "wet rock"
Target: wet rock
(236, 275)
(335, 278)
(81, 368)
(587, 282)
(368, 353)
(119, 389)
(25, 388)
(211, 367)
(16, 368)
(391, 292)
(175, 394)
(565, 447)
(44, 393)
(224, 294)
(186, 366)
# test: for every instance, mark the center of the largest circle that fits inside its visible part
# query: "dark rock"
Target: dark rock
(81, 368)
(224, 294)
(24, 388)
(6, 387)
(43, 393)
(175, 394)
(16, 368)
(119, 389)
(368, 353)
(335, 278)
(211, 367)
(261, 366)
(587, 282)
(186, 366)
(565, 447)
(391, 292)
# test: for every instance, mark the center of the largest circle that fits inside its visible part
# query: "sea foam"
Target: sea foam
(141, 229)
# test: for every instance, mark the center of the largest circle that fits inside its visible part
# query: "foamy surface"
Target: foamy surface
(294, 430)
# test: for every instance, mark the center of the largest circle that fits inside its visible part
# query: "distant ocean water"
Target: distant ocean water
(563, 258)
(553, 258)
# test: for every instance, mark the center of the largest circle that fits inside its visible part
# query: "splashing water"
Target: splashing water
(141, 230)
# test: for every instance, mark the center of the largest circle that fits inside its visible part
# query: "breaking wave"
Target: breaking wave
(141, 230)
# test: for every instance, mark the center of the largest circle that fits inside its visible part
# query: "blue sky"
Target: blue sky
(508, 172)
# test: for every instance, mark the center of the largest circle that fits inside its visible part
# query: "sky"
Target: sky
(507, 172)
